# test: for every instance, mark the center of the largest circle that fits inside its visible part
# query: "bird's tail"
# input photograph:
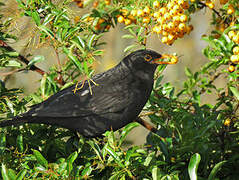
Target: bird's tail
(17, 120)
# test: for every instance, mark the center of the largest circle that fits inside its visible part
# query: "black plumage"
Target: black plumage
(118, 96)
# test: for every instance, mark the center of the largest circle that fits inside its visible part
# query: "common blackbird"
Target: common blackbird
(115, 98)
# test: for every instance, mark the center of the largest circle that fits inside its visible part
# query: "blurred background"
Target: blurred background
(189, 49)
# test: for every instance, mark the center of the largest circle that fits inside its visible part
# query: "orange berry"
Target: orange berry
(162, 11)
(183, 18)
(161, 20)
(227, 122)
(164, 39)
(165, 33)
(157, 29)
(156, 4)
(231, 34)
(176, 19)
(231, 68)
(127, 22)
(170, 25)
(146, 10)
(234, 58)
(167, 16)
(133, 12)
(189, 28)
(210, 4)
(120, 19)
(107, 2)
(230, 9)
(95, 4)
(182, 27)
(180, 2)
(170, 37)
(146, 20)
(140, 12)
(236, 50)
(156, 15)
(174, 59)
(223, 2)
(124, 12)
(185, 5)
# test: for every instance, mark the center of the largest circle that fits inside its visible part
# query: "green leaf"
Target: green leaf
(126, 131)
(40, 159)
(4, 173)
(11, 174)
(36, 18)
(70, 161)
(2, 143)
(20, 145)
(128, 48)
(96, 148)
(35, 60)
(193, 166)
(90, 43)
(155, 173)
(128, 36)
(13, 63)
(235, 92)
(114, 155)
(188, 72)
(215, 169)
(21, 174)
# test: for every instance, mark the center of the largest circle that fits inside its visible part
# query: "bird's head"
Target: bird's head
(143, 59)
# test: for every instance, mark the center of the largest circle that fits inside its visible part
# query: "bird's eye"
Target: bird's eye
(147, 57)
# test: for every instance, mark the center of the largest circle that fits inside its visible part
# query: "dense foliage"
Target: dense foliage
(193, 141)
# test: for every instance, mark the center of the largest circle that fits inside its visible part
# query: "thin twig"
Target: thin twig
(21, 57)
(214, 10)
(146, 125)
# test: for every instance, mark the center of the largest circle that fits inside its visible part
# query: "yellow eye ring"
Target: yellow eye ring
(147, 57)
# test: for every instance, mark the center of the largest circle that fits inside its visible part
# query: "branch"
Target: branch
(146, 125)
(21, 58)
(214, 10)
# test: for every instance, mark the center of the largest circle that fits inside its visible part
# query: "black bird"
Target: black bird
(115, 99)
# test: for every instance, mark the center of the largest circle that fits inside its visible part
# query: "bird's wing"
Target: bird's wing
(67, 103)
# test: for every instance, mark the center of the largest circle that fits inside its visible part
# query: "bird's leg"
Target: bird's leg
(146, 125)
(83, 83)
(76, 87)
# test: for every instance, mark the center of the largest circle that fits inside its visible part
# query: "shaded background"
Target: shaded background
(189, 48)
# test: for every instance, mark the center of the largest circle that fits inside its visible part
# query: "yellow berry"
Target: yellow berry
(185, 5)
(174, 59)
(146, 10)
(170, 5)
(182, 26)
(120, 19)
(183, 18)
(156, 15)
(210, 4)
(124, 12)
(189, 28)
(234, 58)
(227, 122)
(107, 2)
(170, 37)
(140, 12)
(161, 20)
(162, 11)
(176, 19)
(164, 39)
(167, 16)
(231, 68)
(231, 34)
(133, 12)
(127, 22)
(156, 4)
(236, 38)
(230, 10)
(170, 25)
(157, 29)
(236, 50)
(223, 2)
(146, 20)
(165, 33)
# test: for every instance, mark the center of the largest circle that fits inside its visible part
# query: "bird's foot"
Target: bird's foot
(83, 83)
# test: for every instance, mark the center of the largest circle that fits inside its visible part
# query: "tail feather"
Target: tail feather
(15, 121)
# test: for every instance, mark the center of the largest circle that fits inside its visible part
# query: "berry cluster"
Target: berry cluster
(234, 36)
(169, 19)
